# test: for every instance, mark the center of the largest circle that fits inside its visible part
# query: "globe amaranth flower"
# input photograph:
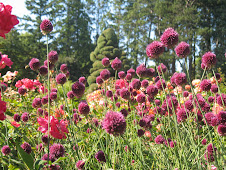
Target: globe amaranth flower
(114, 123)
(182, 115)
(141, 98)
(34, 64)
(43, 70)
(159, 139)
(152, 90)
(61, 78)
(100, 156)
(141, 70)
(169, 38)
(26, 147)
(116, 64)
(209, 60)
(109, 93)
(221, 100)
(82, 80)
(78, 89)
(140, 132)
(22, 91)
(70, 95)
(83, 108)
(161, 68)
(44, 100)
(45, 139)
(51, 65)
(105, 74)
(63, 68)
(209, 155)
(105, 61)
(7, 21)
(144, 83)
(205, 85)
(25, 117)
(136, 84)
(182, 50)
(57, 150)
(131, 71)
(180, 79)
(121, 74)
(16, 117)
(80, 164)
(150, 72)
(46, 27)
(51, 157)
(221, 130)
(222, 117)
(129, 77)
(155, 49)
(6, 150)
(99, 80)
(189, 105)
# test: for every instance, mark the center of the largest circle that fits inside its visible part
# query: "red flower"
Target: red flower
(57, 129)
(5, 61)
(15, 124)
(7, 21)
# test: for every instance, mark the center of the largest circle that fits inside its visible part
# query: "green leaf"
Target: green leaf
(27, 158)
(39, 164)
(59, 160)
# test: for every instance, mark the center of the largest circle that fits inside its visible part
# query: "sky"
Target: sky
(19, 8)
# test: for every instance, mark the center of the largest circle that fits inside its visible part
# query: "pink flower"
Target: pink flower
(7, 21)
(121, 83)
(5, 61)
(15, 124)
(57, 129)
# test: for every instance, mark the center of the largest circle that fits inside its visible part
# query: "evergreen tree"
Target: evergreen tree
(107, 46)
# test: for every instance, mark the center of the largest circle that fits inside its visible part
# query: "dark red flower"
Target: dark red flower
(99, 80)
(131, 71)
(121, 74)
(159, 139)
(6, 150)
(26, 147)
(141, 70)
(136, 84)
(51, 65)
(105, 74)
(46, 27)
(53, 57)
(78, 89)
(43, 70)
(82, 80)
(22, 91)
(209, 59)
(100, 156)
(63, 68)
(152, 90)
(161, 68)
(57, 150)
(34, 64)
(205, 85)
(83, 108)
(7, 21)
(222, 130)
(16, 117)
(105, 61)
(116, 64)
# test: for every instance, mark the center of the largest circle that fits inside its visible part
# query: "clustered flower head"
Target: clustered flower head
(63, 68)
(159, 139)
(209, 60)
(105, 61)
(180, 79)
(46, 27)
(34, 64)
(5, 61)
(116, 64)
(61, 78)
(205, 85)
(162, 68)
(26, 147)
(82, 80)
(182, 50)
(210, 151)
(155, 49)
(114, 123)
(78, 89)
(57, 150)
(169, 38)
(53, 57)
(6, 150)
(105, 74)
(83, 108)
(100, 156)
(43, 70)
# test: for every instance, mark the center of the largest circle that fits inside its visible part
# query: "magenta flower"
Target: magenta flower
(141, 70)
(182, 50)
(169, 38)
(105, 61)
(161, 68)
(83, 108)
(57, 150)
(159, 139)
(26, 147)
(131, 71)
(114, 123)
(82, 80)
(34, 64)
(46, 27)
(105, 74)
(99, 80)
(209, 60)
(6, 150)
(155, 49)
(53, 57)
(180, 79)
(222, 130)
(57, 129)
(136, 84)
(152, 90)
(80, 164)
(116, 64)
(5, 61)
(78, 89)
(43, 70)
(63, 68)
(205, 85)
(100, 156)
